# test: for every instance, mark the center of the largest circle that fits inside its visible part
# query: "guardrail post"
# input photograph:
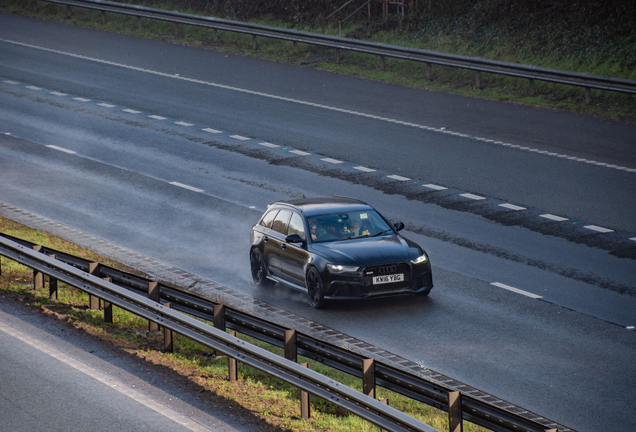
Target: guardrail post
(108, 308)
(382, 63)
(429, 71)
(253, 42)
(38, 276)
(167, 336)
(68, 11)
(138, 23)
(103, 17)
(478, 80)
(588, 95)
(295, 46)
(219, 317)
(531, 86)
(215, 35)
(386, 402)
(52, 284)
(290, 345)
(93, 301)
(338, 56)
(35, 6)
(153, 294)
(232, 370)
(368, 377)
(176, 29)
(455, 420)
(305, 410)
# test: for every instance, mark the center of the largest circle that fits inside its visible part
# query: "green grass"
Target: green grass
(274, 401)
(438, 36)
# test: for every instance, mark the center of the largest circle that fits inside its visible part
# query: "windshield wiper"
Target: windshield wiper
(352, 237)
(381, 232)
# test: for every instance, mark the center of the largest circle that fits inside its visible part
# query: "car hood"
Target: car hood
(369, 251)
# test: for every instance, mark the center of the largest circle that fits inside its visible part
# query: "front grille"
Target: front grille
(387, 269)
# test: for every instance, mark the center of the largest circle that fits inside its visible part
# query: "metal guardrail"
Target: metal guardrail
(460, 406)
(479, 65)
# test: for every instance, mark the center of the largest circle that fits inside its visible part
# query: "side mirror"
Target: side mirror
(294, 238)
(398, 226)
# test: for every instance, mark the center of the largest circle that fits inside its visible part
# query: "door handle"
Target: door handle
(283, 246)
(265, 239)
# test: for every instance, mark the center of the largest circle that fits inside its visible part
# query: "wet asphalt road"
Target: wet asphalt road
(564, 356)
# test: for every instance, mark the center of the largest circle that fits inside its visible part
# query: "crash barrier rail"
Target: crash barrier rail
(478, 65)
(149, 299)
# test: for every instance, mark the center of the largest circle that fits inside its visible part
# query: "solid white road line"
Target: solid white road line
(239, 137)
(333, 161)
(81, 99)
(471, 196)
(106, 379)
(61, 149)
(598, 229)
(132, 111)
(214, 131)
(192, 188)
(156, 117)
(300, 152)
(397, 177)
(270, 145)
(184, 123)
(512, 206)
(434, 186)
(364, 169)
(106, 105)
(516, 290)
(553, 217)
(326, 107)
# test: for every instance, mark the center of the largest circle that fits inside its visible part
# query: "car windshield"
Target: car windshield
(346, 226)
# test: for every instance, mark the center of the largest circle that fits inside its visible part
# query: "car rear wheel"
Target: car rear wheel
(259, 273)
(314, 289)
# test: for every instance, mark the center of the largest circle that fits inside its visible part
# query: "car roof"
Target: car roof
(322, 205)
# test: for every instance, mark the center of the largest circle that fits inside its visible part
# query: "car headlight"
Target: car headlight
(335, 268)
(420, 259)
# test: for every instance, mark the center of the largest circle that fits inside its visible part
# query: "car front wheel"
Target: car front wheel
(314, 289)
(259, 273)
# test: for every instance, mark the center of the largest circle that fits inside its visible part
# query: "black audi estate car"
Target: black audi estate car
(336, 248)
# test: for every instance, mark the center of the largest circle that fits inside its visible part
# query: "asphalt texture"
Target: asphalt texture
(565, 356)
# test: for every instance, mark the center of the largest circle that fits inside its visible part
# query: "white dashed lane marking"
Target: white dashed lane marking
(132, 111)
(156, 117)
(516, 290)
(512, 206)
(300, 152)
(81, 99)
(598, 229)
(214, 131)
(553, 217)
(397, 177)
(239, 137)
(105, 105)
(270, 145)
(181, 185)
(183, 123)
(364, 169)
(11, 82)
(33, 88)
(326, 107)
(61, 149)
(633, 238)
(56, 93)
(435, 187)
(472, 197)
(333, 161)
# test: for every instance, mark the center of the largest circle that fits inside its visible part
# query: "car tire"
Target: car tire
(259, 272)
(314, 289)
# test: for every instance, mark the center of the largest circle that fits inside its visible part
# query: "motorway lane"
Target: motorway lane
(529, 352)
(574, 189)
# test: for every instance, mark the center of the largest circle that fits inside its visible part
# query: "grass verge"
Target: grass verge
(275, 403)
(408, 73)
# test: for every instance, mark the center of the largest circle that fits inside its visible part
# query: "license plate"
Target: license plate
(388, 279)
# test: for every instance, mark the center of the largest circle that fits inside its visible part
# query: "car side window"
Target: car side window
(268, 218)
(296, 225)
(281, 220)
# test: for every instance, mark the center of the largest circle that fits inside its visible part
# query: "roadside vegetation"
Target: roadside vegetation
(585, 36)
(274, 403)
